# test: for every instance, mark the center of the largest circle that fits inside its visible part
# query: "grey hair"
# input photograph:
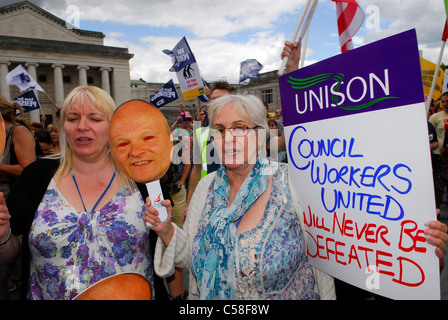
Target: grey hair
(249, 106)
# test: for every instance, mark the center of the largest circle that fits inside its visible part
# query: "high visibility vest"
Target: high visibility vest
(202, 135)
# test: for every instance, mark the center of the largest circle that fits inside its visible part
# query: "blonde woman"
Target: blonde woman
(54, 133)
(79, 220)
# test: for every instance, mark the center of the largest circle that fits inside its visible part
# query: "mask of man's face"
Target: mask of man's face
(140, 141)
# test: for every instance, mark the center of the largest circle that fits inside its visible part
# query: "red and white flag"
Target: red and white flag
(350, 18)
(445, 32)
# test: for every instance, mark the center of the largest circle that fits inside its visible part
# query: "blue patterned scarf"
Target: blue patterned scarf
(213, 254)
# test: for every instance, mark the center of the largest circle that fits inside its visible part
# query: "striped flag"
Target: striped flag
(445, 32)
(350, 18)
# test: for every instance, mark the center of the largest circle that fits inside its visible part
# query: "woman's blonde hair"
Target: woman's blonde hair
(98, 99)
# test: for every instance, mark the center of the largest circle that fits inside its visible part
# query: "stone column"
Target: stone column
(31, 68)
(58, 84)
(4, 87)
(83, 75)
(105, 82)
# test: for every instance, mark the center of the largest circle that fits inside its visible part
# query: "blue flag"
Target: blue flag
(28, 101)
(204, 97)
(250, 69)
(165, 95)
(181, 55)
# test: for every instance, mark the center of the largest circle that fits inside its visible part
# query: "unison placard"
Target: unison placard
(359, 158)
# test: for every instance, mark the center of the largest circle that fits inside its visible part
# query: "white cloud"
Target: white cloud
(222, 34)
(427, 17)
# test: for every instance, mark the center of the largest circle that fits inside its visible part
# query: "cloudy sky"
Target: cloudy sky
(221, 34)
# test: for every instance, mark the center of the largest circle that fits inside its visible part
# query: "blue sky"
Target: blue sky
(222, 34)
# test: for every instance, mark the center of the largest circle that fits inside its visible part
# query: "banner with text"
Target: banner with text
(187, 70)
(165, 95)
(359, 159)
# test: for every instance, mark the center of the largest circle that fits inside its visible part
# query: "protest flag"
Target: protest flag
(187, 70)
(28, 101)
(350, 18)
(439, 61)
(204, 97)
(445, 32)
(250, 69)
(165, 95)
(22, 79)
(181, 55)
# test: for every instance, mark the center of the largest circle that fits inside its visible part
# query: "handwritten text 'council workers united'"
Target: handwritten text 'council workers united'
(391, 180)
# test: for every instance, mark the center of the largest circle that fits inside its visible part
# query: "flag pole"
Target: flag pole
(281, 70)
(51, 99)
(434, 79)
(306, 30)
(305, 43)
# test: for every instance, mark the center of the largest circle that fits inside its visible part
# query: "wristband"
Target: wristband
(6, 241)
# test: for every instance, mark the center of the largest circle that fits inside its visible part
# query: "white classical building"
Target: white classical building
(59, 57)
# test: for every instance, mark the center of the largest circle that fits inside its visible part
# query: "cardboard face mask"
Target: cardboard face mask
(141, 144)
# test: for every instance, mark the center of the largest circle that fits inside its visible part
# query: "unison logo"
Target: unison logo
(328, 90)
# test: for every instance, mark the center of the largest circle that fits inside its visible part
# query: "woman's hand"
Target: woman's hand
(292, 51)
(436, 234)
(165, 229)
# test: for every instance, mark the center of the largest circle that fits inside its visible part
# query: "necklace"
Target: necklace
(101, 197)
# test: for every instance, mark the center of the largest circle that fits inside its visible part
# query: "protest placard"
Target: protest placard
(359, 159)
(187, 70)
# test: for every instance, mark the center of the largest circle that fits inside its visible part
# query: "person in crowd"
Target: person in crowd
(43, 137)
(54, 131)
(19, 149)
(228, 203)
(244, 225)
(201, 115)
(18, 153)
(74, 216)
(204, 159)
(275, 145)
(36, 126)
(438, 120)
(278, 115)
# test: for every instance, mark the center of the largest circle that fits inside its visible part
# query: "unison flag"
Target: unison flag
(28, 101)
(350, 18)
(250, 69)
(165, 95)
(22, 79)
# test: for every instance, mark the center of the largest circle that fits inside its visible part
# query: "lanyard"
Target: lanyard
(101, 197)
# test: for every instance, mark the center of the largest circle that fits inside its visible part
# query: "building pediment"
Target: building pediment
(26, 20)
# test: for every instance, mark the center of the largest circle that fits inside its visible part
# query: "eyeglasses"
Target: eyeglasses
(238, 130)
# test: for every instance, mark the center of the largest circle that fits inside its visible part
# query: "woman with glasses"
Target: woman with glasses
(242, 238)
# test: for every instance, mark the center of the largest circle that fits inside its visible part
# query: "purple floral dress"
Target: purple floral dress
(71, 250)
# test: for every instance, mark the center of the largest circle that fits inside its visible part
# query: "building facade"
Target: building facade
(58, 56)
(266, 88)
